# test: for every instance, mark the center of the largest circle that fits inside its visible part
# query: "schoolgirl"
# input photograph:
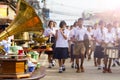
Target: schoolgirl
(61, 48)
(50, 32)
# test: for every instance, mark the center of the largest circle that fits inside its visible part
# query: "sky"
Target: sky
(72, 9)
(85, 4)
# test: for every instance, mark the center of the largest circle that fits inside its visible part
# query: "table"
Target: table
(13, 68)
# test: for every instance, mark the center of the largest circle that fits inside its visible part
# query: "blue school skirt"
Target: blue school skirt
(98, 53)
(61, 53)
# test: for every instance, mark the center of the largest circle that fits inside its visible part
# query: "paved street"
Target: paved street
(91, 72)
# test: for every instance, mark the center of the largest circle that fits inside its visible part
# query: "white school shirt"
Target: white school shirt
(109, 37)
(49, 30)
(98, 35)
(94, 32)
(89, 34)
(79, 33)
(119, 33)
(71, 34)
(116, 30)
(61, 42)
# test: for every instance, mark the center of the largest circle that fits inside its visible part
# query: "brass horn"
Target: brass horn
(25, 20)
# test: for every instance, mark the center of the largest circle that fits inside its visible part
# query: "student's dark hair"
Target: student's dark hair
(81, 19)
(50, 22)
(75, 23)
(101, 22)
(109, 25)
(62, 23)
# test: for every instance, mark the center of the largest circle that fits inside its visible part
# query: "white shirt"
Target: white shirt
(79, 33)
(56, 28)
(116, 31)
(49, 30)
(61, 42)
(72, 32)
(109, 37)
(89, 34)
(94, 32)
(99, 36)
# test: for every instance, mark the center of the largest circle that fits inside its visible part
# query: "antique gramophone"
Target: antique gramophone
(26, 20)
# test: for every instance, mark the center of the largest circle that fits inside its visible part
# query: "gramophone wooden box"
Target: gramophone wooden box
(12, 66)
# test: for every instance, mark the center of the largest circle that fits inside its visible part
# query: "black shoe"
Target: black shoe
(118, 63)
(53, 63)
(113, 65)
(99, 68)
(63, 68)
(72, 66)
(50, 65)
(60, 70)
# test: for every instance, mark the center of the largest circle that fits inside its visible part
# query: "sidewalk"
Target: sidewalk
(91, 72)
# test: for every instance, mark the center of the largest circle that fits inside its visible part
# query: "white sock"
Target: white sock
(60, 68)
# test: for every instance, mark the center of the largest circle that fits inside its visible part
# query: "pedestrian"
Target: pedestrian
(61, 48)
(99, 35)
(89, 43)
(79, 47)
(109, 41)
(73, 65)
(95, 28)
(50, 32)
(116, 31)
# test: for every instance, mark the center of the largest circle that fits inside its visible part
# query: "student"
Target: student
(99, 35)
(88, 43)
(73, 65)
(109, 41)
(61, 49)
(116, 31)
(94, 42)
(50, 32)
(79, 47)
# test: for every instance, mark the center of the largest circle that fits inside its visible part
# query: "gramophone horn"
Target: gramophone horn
(25, 20)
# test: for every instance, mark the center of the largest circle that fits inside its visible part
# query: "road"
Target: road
(91, 72)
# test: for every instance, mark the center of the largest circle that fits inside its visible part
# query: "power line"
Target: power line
(64, 13)
(64, 19)
(54, 3)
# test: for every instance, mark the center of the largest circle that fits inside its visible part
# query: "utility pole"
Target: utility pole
(45, 13)
(44, 3)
